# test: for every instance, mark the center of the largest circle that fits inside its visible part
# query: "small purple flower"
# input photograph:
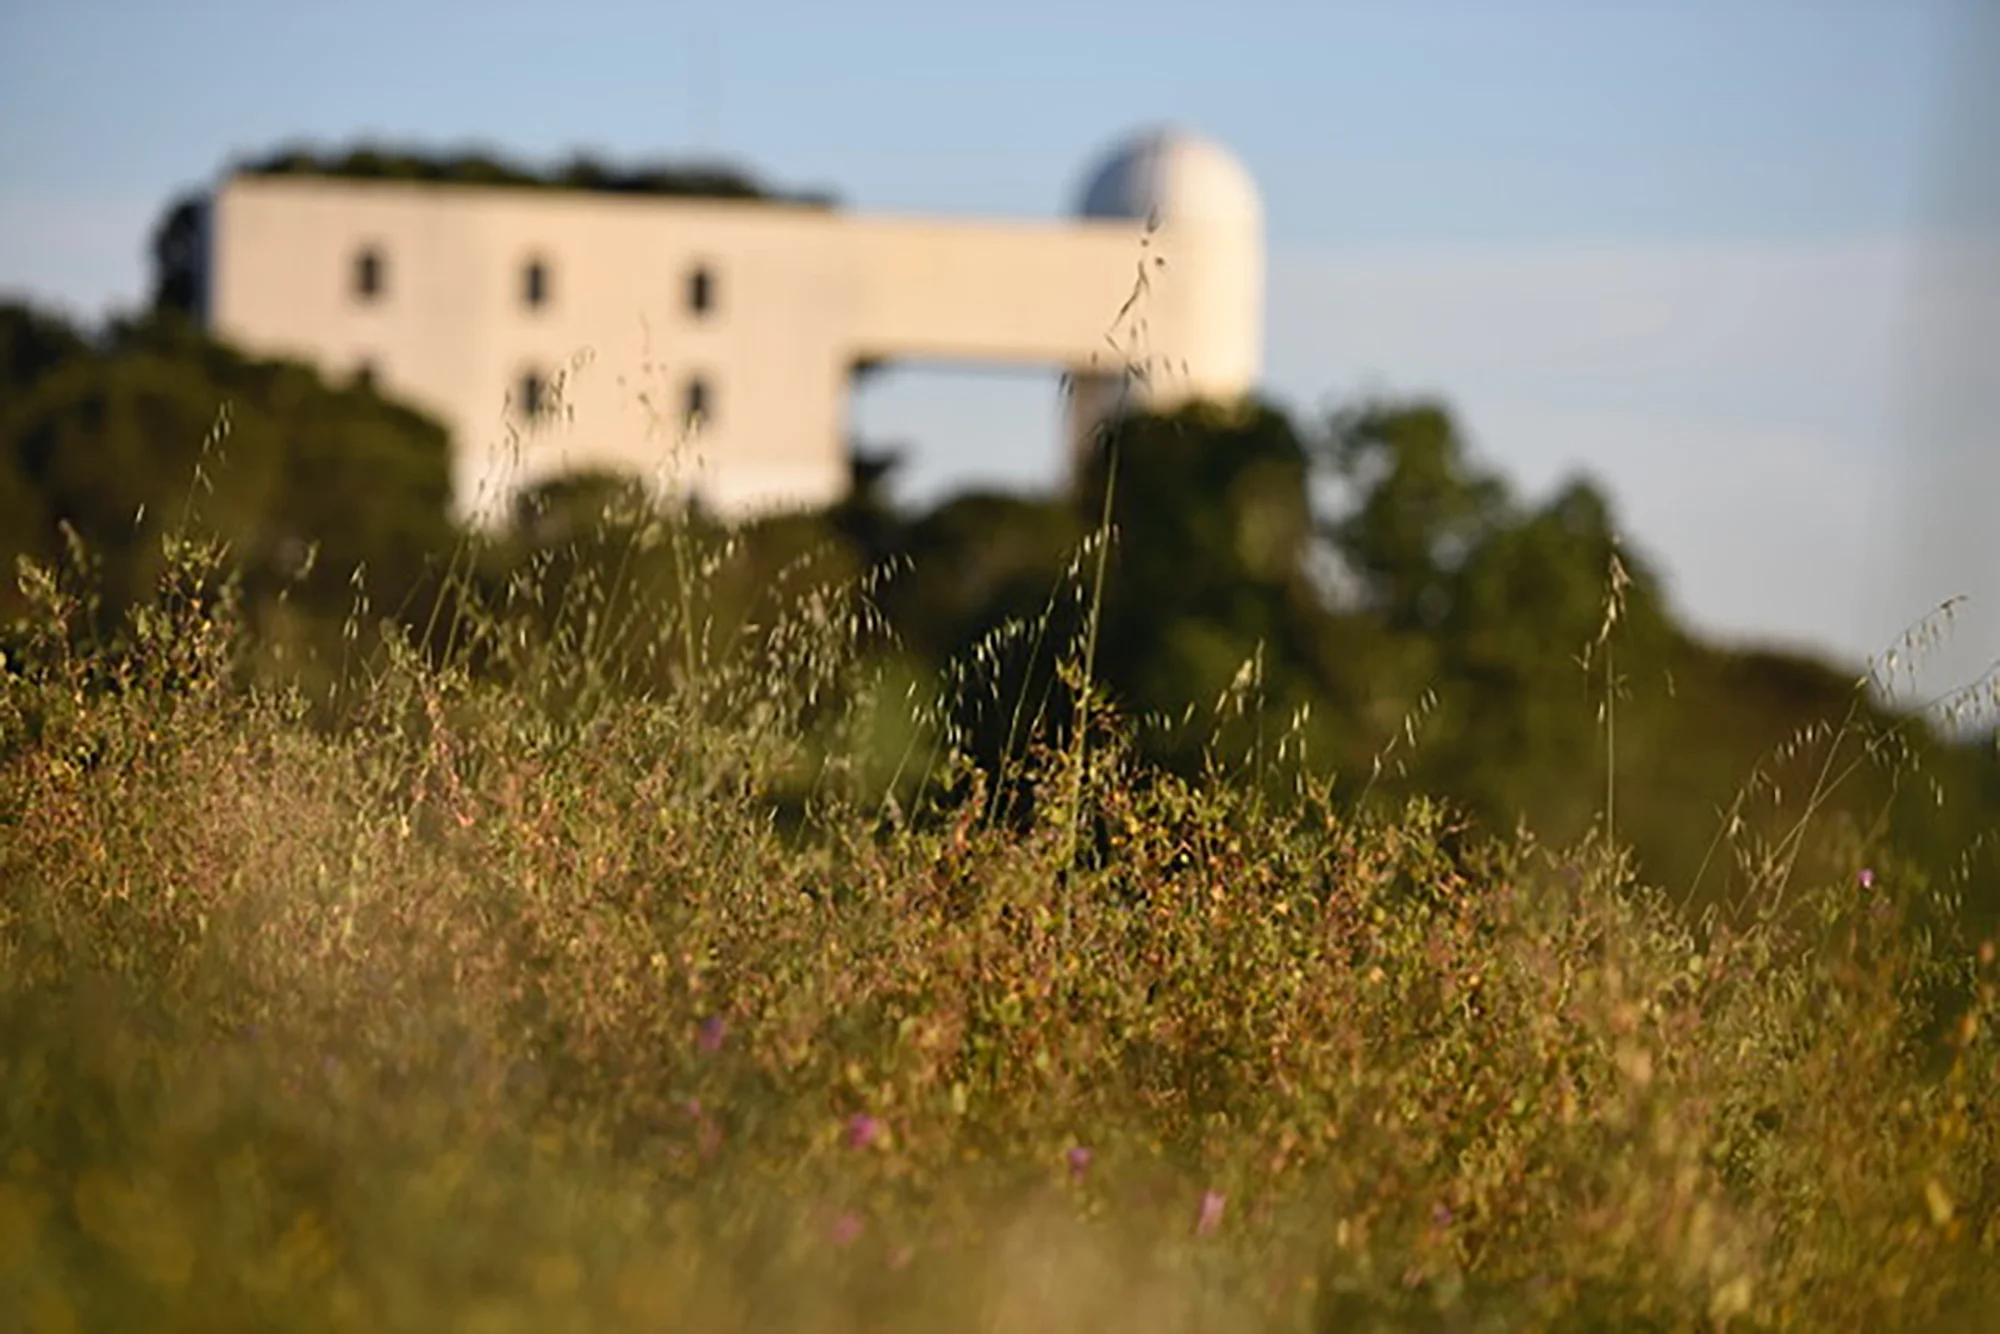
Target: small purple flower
(1865, 878)
(713, 1030)
(1441, 1214)
(1079, 1160)
(1210, 1216)
(862, 1130)
(846, 1229)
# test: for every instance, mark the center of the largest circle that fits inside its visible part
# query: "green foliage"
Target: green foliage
(179, 248)
(179, 252)
(368, 162)
(316, 489)
(1211, 525)
(1420, 509)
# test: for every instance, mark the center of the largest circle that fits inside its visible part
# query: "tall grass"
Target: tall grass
(503, 998)
(636, 948)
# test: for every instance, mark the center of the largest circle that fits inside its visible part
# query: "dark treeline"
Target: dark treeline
(1355, 600)
(579, 172)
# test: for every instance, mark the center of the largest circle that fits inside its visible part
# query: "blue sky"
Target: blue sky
(1739, 260)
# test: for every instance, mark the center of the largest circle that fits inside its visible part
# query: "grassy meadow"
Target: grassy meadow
(481, 995)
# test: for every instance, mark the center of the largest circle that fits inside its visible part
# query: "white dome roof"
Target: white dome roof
(1177, 175)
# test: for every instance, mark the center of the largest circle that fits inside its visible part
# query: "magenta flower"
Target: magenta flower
(862, 1130)
(1079, 1160)
(846, 1229)
(1865, 878)
(1210, 1217)
(713, 1030)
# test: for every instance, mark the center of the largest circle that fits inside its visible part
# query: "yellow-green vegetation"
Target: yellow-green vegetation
(482, 995)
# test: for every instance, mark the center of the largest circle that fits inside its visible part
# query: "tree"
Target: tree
(1212, 530)
(1420, 507)
(33, 343)
(180, 257)
(159, 426)
(1531, 606)
(379, 162)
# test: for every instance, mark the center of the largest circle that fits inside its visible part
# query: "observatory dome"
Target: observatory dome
(1181, 177)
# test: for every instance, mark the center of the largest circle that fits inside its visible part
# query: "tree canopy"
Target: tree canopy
(316, 488)
(580, 171)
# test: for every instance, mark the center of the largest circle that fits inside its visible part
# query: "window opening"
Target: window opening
(368, 273)
(533, 394)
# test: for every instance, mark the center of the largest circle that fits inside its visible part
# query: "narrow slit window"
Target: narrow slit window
(535, 284)
(369, 274)
(701, 290)
(533, 395)
(700, 402)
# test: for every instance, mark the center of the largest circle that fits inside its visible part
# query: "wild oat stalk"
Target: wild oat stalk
(1086, 686)
(1617, 581)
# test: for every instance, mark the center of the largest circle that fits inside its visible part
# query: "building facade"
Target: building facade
(708, 346)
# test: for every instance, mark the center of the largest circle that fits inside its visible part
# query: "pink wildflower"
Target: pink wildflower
(846, 1229)
(1865, 878)
(1079, 1160)
(862, 1130)
(1210, 1217)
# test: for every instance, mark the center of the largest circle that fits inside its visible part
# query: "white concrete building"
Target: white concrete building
(708, 345)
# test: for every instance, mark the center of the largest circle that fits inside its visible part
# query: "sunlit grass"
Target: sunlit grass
(515, 998)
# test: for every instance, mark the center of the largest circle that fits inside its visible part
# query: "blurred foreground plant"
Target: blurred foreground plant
(505, 1002)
